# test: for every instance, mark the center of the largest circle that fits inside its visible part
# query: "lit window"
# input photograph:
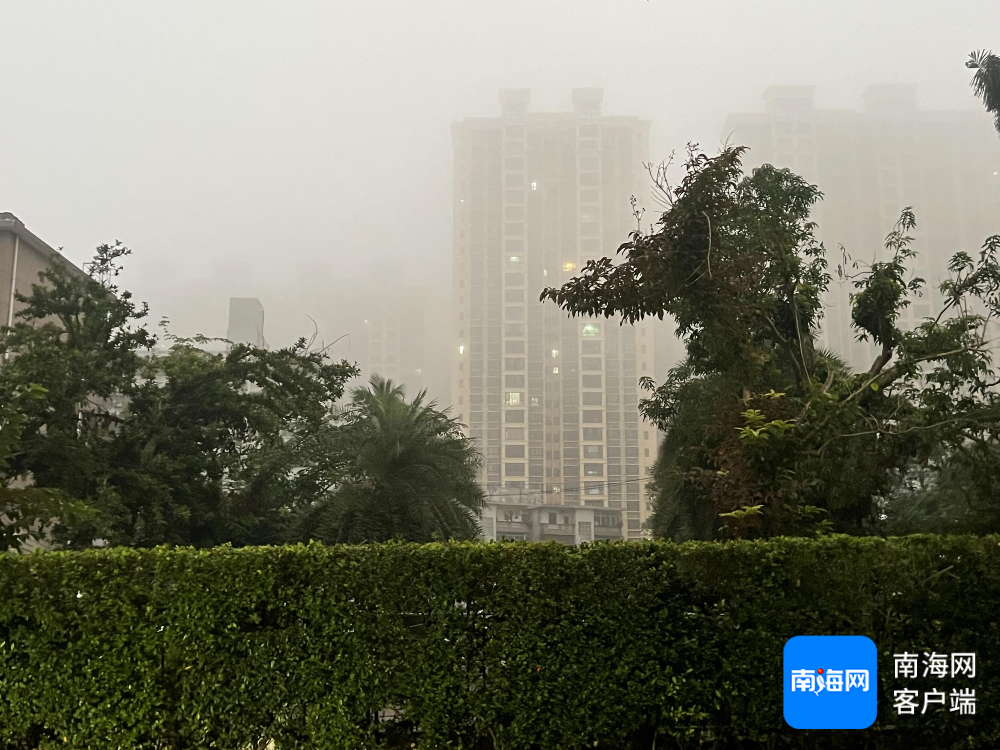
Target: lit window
(461, 349)
(555, 353)
(514, 259)
(591, 330)
(515, 399)
(545, 272)
(569, 266)
(555, 370)
(534, 186)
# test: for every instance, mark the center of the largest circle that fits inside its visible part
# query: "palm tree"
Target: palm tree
(986, 81)
(409, 473)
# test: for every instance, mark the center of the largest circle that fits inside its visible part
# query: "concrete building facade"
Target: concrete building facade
(520, 515)
(551, 401)
(870, 163)
(23, 256)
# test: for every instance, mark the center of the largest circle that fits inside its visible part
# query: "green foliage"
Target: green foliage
(756, 416)
(477, 646)
(26, 513)
(986, 81)
(182, 447)
(402, 470)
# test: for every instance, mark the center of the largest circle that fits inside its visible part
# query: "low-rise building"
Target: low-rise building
(521, 515)
(23, 256)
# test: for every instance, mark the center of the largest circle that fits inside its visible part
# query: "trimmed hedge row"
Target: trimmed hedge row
(503, 646)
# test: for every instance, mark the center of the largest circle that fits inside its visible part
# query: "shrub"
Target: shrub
(504, 646)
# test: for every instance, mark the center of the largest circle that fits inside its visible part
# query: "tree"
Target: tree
(766, 434)
(986, 81)
(402, 470)
(25, 512)
(186, 447)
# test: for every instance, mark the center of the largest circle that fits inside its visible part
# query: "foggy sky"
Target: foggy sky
(283, 149)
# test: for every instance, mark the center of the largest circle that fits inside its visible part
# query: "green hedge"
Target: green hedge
(504, 646)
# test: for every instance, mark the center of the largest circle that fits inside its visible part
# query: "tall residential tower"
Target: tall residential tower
(552, 401)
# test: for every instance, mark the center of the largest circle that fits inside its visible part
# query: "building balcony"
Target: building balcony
(557, 529)
(512, 527)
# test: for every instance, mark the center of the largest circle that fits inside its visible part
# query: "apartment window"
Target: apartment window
(513, 433)
(593, 451)
(593, 416)
(593, 433)
(591, 347)
(514, 381)
(515, 313)
(591, 381)
(607, 519)
(515, 399)
(513, 295)
(513, 363)
(591, 330)
(513, 451)
(537, 401)
(514, 329)
(591, 398)
(593, 488)
(590, 363)
(514, 279)
(513, 470)
(593, 470)
(514, 347)
(514, 415)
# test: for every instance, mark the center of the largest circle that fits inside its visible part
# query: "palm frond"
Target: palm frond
(986, 82)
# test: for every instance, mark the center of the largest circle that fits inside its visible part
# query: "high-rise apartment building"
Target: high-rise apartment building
(551, 400)
(871, 163)
(246, 321)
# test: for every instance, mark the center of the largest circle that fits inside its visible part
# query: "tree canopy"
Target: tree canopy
(181, 446)
(404, 470)
(766, 433)
(986, 81)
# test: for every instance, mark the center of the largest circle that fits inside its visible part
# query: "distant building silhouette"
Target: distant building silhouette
(397, 334)
(246, 321)
(551, 401)
(870, 163)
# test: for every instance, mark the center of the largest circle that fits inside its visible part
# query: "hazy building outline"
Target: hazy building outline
(551, 401)
(870, 163)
